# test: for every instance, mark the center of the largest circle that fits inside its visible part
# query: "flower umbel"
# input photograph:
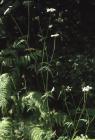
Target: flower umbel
(86, 89)
(68, 88)
(50, 10)
(50, 26)
(55, 35)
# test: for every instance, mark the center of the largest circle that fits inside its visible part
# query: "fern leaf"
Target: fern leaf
(6, 132)
(33, 101)
(11, 58)
(5, 90)
(40, 133)
(58, 118)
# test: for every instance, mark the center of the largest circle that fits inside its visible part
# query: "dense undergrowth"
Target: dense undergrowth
(47, 70)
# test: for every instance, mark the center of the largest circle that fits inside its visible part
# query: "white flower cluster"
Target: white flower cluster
(50, 26)
(55, 35)
(86, 89)
(50, 10)
(68, 88)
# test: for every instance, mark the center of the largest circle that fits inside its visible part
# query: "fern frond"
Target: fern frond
(8, 53)
(33, 101)
(39, 133)
(20, 44)
(31, 131)
(58, 118)
(63, 138)
(82, 137)
(12, 57)
(6, 132)
(6, 89)
(21, 130)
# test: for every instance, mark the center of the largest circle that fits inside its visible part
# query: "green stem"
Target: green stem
(53, 50)
(84, 106)
(28, 33)
(13, 18)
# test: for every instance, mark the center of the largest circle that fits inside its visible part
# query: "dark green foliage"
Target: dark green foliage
(47, 70)
(6, 129)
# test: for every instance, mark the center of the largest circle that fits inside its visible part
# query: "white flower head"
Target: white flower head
(50, 10)
(50, 26)
(86, 89)
(68, 88)
(55, 35)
